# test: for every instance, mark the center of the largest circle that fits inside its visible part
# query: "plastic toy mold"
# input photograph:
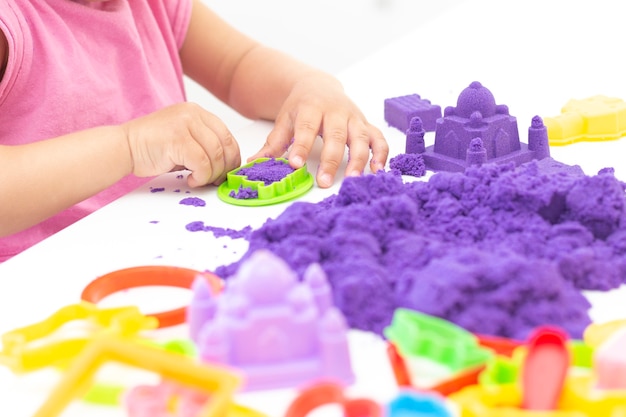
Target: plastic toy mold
(597, 118)
(25, 349)
(142, 276)
(610, 362)
(259, 193)
(220, 383)
(279, 331)
(536, 383)
(416, 404)
(478, 131)
(168, 399)
(421, 335)
(324, 393)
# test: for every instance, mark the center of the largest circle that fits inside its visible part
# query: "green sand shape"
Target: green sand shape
(290, 187)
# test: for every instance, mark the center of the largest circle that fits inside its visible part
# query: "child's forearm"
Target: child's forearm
(43, 178)
(264, 79)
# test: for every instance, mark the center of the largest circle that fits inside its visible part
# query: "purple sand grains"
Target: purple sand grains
(269, 171)
(408, 164)
(199, 226)
(193, 201)
(157, 189)
(497, 249)
(244, 193)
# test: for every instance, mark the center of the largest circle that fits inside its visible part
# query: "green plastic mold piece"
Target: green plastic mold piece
(290, 187)
(500, 370)
(421, 335)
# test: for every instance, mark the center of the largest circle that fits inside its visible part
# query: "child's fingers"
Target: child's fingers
(380, 149)
(306, 129)
(359, 142)
(219, 145)
(335, 137)
(194, 158)
(277, 141)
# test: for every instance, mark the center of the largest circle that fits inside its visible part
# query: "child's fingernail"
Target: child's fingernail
(297, 161)
(326, 180)
(354, 173)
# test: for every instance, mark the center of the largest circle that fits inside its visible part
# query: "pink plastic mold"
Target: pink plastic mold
(610, 362)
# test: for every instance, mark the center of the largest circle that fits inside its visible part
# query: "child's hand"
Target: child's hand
(316, 106)
(182, 136)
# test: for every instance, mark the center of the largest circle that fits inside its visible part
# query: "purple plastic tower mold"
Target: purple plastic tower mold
(478, 130)
(281, 332)
(400, 110)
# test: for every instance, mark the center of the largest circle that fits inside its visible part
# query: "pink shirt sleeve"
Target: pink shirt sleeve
(179, 13)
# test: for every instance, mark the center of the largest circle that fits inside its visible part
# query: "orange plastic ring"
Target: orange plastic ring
(324, 393)
(146, 276)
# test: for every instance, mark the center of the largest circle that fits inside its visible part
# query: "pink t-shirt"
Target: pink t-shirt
(74, 65)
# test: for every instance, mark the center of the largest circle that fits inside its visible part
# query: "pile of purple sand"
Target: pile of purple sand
(498, 250)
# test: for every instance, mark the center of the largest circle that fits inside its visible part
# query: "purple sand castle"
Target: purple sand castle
(280, 331)
(478, 130)
(400, 110)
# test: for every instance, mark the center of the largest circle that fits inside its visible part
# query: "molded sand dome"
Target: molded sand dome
(475, 98)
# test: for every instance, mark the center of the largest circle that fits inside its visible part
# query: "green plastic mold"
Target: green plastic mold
(421, 335)
(290, 187)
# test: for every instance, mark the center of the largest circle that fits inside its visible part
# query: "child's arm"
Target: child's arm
(260, 82)
(45, 177)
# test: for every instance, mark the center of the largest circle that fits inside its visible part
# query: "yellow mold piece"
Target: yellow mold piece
(23, 349)
(580, 394)
(218, 382)
(597, 333)
(598, 118)
(499, 401)
(579, 399)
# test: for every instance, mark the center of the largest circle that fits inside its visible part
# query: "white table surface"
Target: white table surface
(534, 56)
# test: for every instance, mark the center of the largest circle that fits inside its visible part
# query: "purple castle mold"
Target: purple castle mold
(477, 116)
(400, 110)
(280, 331)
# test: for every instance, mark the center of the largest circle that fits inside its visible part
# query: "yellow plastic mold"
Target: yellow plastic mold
(218, 382)
(32, 347)
(597, 118)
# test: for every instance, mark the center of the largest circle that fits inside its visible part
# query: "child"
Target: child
(92, 104)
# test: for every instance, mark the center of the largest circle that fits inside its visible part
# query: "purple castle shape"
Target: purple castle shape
(478, 131)
(280, 331)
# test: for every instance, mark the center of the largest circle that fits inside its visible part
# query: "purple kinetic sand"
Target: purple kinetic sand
(193, 201)
(415, 137)
(408, 164)
(498, 249)
(199, 226)
(269, 171)
(244, 193)
(477, 115)
(400, 110)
